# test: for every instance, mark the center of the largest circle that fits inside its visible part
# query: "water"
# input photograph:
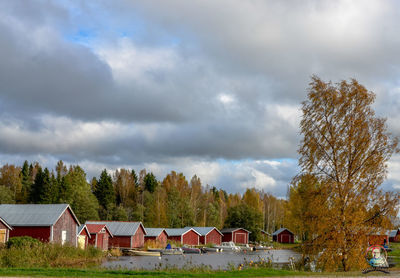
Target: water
(216, 261)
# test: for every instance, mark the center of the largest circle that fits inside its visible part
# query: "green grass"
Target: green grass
(60, 272)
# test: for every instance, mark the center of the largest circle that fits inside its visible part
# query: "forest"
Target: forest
(126, 195)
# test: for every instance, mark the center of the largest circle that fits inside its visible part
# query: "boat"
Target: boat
(229, 246)
(142, 253)
(190, 250)
(260, 247)
(211, 249)
(247, 247)
(172, 251)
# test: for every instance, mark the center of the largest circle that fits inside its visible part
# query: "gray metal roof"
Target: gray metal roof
(33, 214)
(120, 228)
(80, 228)
(203, 231)
(179, 231)
(280, 231)
(154, 232)
(393, 233)
(230, 230)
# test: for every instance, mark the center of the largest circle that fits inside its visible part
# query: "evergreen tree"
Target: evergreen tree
(49, 191)
(26, 182)
(150, 182)
(37, 187)
(104, 193)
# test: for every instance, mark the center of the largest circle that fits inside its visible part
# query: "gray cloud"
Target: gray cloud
(202, 86)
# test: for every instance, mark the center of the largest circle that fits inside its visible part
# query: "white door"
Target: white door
(63, 237)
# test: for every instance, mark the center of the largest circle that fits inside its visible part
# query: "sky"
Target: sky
(205, 87)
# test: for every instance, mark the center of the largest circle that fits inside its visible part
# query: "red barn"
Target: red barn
(125, 234)
(283, 235)
(4, 231)
(83, 236)
(237, 235)
(394, 236)
(46, 222)
(156, 234)
(379, 238)
(187, 236)
(99, 235)
(209, 235)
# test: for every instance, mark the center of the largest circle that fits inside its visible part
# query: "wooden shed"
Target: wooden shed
(394, 236)
(156, 234)
(379, 238)
(209, 235)
(83, 236)
(5, 229)
(46, 222)
(99, 235)
(125, 234)
(237, 235)
(283, 235)
(187, 236)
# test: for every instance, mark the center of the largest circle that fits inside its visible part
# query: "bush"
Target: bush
(22, 242)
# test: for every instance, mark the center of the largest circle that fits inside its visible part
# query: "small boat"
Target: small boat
(155, 249)
(260, 247)
(189, 250)
(247, 247)
(172, 251)
(211, 249)
(229, 246)
(142, 253)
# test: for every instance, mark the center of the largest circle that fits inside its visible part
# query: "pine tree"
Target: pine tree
(105, 194)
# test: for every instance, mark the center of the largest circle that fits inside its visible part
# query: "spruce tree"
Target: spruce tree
(104, 191)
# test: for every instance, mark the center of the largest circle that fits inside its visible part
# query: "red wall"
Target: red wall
(40, 233)
(227, 237)
(138, 238)
(162, 238)
(191, 238)
(239, 236)
(285, 237)
(65, 223)
(120, 241)
(213, 237)
(101, 240)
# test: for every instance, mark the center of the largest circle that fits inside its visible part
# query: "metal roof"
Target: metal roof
(393, 233)
(280, 231)
(179, 231)
(203, 231)
(120, 228)
(5, 223)
(33, 214)
(80, 229)
(231, 230)
(154, 232)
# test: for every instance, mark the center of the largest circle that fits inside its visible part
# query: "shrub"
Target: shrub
(22, 242)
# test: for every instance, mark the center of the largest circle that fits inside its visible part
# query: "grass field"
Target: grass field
(59, 272)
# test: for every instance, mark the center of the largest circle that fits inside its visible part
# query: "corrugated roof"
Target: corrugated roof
(230, 230)
(154, 232)
(393, 233)
(179, 231)
(280, 231)
(120, 228)
(33, 214)
(203, 231)
(5, 223)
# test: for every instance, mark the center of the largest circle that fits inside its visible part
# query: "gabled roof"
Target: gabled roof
(231, 230)
(120, 228)
(280, 231)
(5, 223)
(81, 228)
(203, 231)
(154, 232)
(34, 214)
(96, 228)
(393, 233)
(265, 232)
(179, 231)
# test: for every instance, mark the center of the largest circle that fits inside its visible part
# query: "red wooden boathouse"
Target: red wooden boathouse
(186, 235)
(5, 229)
(209, 235)
(237, 235)
(99, 235)
(83, 236)
(125, 234)
(283, 235)
(46, 222)
(156, 234)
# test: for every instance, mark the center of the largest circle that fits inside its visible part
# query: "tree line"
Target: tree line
(126, 195)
